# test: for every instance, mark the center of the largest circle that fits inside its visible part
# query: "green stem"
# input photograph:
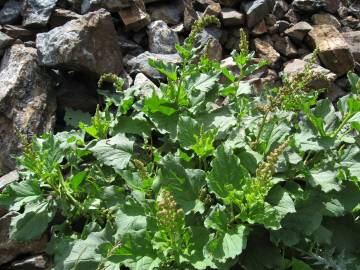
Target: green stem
(344, 122)
(262, 126)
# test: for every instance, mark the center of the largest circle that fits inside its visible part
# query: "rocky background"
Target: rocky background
(52, 53)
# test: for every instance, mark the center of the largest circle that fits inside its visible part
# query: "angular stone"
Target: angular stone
(257, 10)
(190, 15)
(61, 16)
(292, 16)
(334, 52)
(171, 13)
(10, 249)
(296, 66)
(284, 46)
(11, 11)
(209, 39)
(332, 6)
(299, 31)
(89, 44)
(18, 32)
(266, 51)
(37, 13)
(212, 10)
(37, 262)
(308, 5)
(27, 101)
(111, 5)
(280, 9)
(325, 18)
(8, 178)
(134, 18)
(229, 3)
(5, 41)
(353, 39)
(259, 29)
(140, 63)
(162, 38)
(231, 17)
(145, 85)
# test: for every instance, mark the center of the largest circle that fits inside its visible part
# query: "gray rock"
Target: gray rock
(280, 9)
(27, 101)
(266, 51)
(37, 12)
(331, 6)
(162, 38)
(11, 11)
(10, 249)
(89, 44)
(284, 46)
(145, 85)
(257, 11)
(325, 18)
(140, 63)
(9, 178)
(37, 262)
(5, 41)
(308, 5)
(299, 31)
(231, 17)
(353, 39)
(111, 5)
(334, 52)
(61, 16)
(170, 12)
(296, 66)
(18, 32)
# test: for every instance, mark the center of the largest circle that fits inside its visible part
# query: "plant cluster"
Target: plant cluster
(199, 173)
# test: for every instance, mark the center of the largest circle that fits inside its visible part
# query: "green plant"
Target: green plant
(173, 180)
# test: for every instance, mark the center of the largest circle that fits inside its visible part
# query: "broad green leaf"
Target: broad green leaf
(73, 117)
(115, 152)
(227, 173)
(168, 69)
(351, 160)
(137, 124)
(299, 265)
(201, 82)
(187, 131)
(325, 179)
(77, 179)
(33, 222)
(155, 104)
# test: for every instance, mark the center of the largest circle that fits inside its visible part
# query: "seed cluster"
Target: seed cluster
(168, 216)
(244, 42)
(200, 25)
(117, 82)
(267, 169)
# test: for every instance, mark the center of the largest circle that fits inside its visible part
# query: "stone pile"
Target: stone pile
(52, 52)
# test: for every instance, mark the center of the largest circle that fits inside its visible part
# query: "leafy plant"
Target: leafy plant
(177, 178)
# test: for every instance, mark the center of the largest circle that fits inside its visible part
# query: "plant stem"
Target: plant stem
(262, 126)
(344, 122)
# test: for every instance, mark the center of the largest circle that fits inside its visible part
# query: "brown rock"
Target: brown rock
(332, 5)
(6, 179)
(134, 18)
(292, 16)
(325, 18)
(27, 101)
(61, 16)
(284, 46)
(231, 17)
(213, 9)
(266, 51)
(170, 12)
(296, 66)
(10, 249)
(259, 29)
(280, 8)
(190, 14)
(18, 32)
(334, 52)
(298, 31)
(353, 39)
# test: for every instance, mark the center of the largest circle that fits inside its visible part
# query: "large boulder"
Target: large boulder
(162, 38)
(27, 101)
(334, 52)
(37, 12)
(89, 44)
(10, 249)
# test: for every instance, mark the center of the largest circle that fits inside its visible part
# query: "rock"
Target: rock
(299, 31)
(212, 10)
(335, 92)
(61, 16)
(8, 178)
(231, 17)
(89, 44)
(37, 13)
(284, 46)
(259, 29)
(334, 52)
(266, 51)
(331, 6)
(11, 11)
(190, 15)
(111, 5)
(145, 85)
(18, 32)
(257, 11)
(270, 20)
(170, 13)
(162, 38)
(282, 26)
(308, 5)
(292, 16)
(229, 3)
(10, 249)
(5, 41)
(36, 262)
(355, 8)
(351, 22)
(280, 9)
(134, 18)
(140, 63)
(296, 66)
(209, 39)
(353, 39)
(27, 101)
(129, 46)
(325, 18)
